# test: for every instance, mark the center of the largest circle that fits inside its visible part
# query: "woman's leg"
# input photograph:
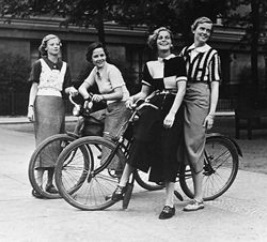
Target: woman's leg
(197, 180)
(169, 200)
(168, 210)
(121, 188)
(39, 176)
(128, 169)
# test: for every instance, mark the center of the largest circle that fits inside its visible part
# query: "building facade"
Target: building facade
(127, 49)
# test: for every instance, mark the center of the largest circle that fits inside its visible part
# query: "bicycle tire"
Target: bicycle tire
(47, 150)
(220, 169)
(94, 193)
(142, 180)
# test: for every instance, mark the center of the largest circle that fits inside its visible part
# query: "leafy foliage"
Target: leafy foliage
(14, 70)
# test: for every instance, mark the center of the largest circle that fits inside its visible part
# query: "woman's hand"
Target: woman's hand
(129, 103)
(209, 120)
(169, 120)
(97, 98)
(30, 114)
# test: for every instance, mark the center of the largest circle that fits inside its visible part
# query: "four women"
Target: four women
(193, 77)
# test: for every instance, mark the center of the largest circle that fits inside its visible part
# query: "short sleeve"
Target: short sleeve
(215, 68)
(146, 76)
(115, 77)
(35, 72)
(90, 80)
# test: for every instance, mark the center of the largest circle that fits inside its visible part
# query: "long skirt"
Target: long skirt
(49, 114)
(155, 147)
(196, 108)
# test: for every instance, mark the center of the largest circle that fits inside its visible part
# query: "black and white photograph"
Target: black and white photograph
(133, 121)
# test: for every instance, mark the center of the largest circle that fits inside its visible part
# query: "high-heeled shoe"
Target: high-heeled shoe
(118, 194)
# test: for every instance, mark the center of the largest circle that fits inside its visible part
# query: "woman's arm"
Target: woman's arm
(32, 96)
(83, 90)
(169, 119)
(145, 91)
(214, 96)
(117, 95)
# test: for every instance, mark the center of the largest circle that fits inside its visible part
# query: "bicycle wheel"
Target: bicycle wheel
(142, 179)
(49, 149)
(220, 169)
(93, 192)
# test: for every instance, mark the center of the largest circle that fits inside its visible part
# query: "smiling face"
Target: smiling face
(164, 41)
(202, 33)
(99, 57)
(53, 47)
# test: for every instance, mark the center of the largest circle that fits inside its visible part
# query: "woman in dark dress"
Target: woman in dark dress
(159, 131)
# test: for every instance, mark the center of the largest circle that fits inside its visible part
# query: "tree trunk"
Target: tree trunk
(255, 43)
(100, 22)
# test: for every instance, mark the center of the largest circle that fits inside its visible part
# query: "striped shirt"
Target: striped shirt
(202, 63)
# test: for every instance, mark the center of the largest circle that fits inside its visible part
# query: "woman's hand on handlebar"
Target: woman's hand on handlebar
(97, 98)
(129, 103)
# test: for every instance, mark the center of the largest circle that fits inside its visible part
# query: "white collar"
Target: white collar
(201, 49)
(166, 58)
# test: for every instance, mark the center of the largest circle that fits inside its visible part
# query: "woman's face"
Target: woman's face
(53, 46)
(202, 33)
(164, 41)
(99, 57)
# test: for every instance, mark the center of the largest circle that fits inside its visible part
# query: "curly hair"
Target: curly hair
(42, 47)
(152, 39)
(91, 49)
(200, 20)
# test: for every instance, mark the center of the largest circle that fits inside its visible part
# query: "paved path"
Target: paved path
(239, 215)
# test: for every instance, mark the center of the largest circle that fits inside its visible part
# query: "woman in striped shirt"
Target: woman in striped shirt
(203, 72)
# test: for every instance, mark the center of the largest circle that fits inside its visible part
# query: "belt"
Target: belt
(166, 92)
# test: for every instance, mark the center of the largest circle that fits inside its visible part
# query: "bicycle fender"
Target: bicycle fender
(73, 135)
(239, 151)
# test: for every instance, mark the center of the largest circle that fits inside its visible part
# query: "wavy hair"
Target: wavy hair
(91, 49)
(42, 47)
(201, 20)
(152, 39)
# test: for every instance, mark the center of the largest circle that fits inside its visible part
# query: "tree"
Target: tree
(254, 21)
(178, 15)
(78, 12)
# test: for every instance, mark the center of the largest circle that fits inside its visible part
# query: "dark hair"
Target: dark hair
(152, 39)
(91, 49)
(42, 47)
(201, 20)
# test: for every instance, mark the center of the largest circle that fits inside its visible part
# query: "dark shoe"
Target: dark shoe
(167, 212)
(118, 194)
(194, 205)
(51, 189)
(37, 194)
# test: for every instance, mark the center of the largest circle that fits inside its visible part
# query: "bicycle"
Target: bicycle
(94, 191)
(51, 147)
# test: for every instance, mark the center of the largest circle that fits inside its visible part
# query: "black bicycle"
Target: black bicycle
(90, 122)
(83, 166)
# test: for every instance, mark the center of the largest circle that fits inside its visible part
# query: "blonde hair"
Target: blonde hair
(152, 39)
(201, 20)
(42, 47)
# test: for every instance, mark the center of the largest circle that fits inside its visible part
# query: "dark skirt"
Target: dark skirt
(154, 146)
(49, 114)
